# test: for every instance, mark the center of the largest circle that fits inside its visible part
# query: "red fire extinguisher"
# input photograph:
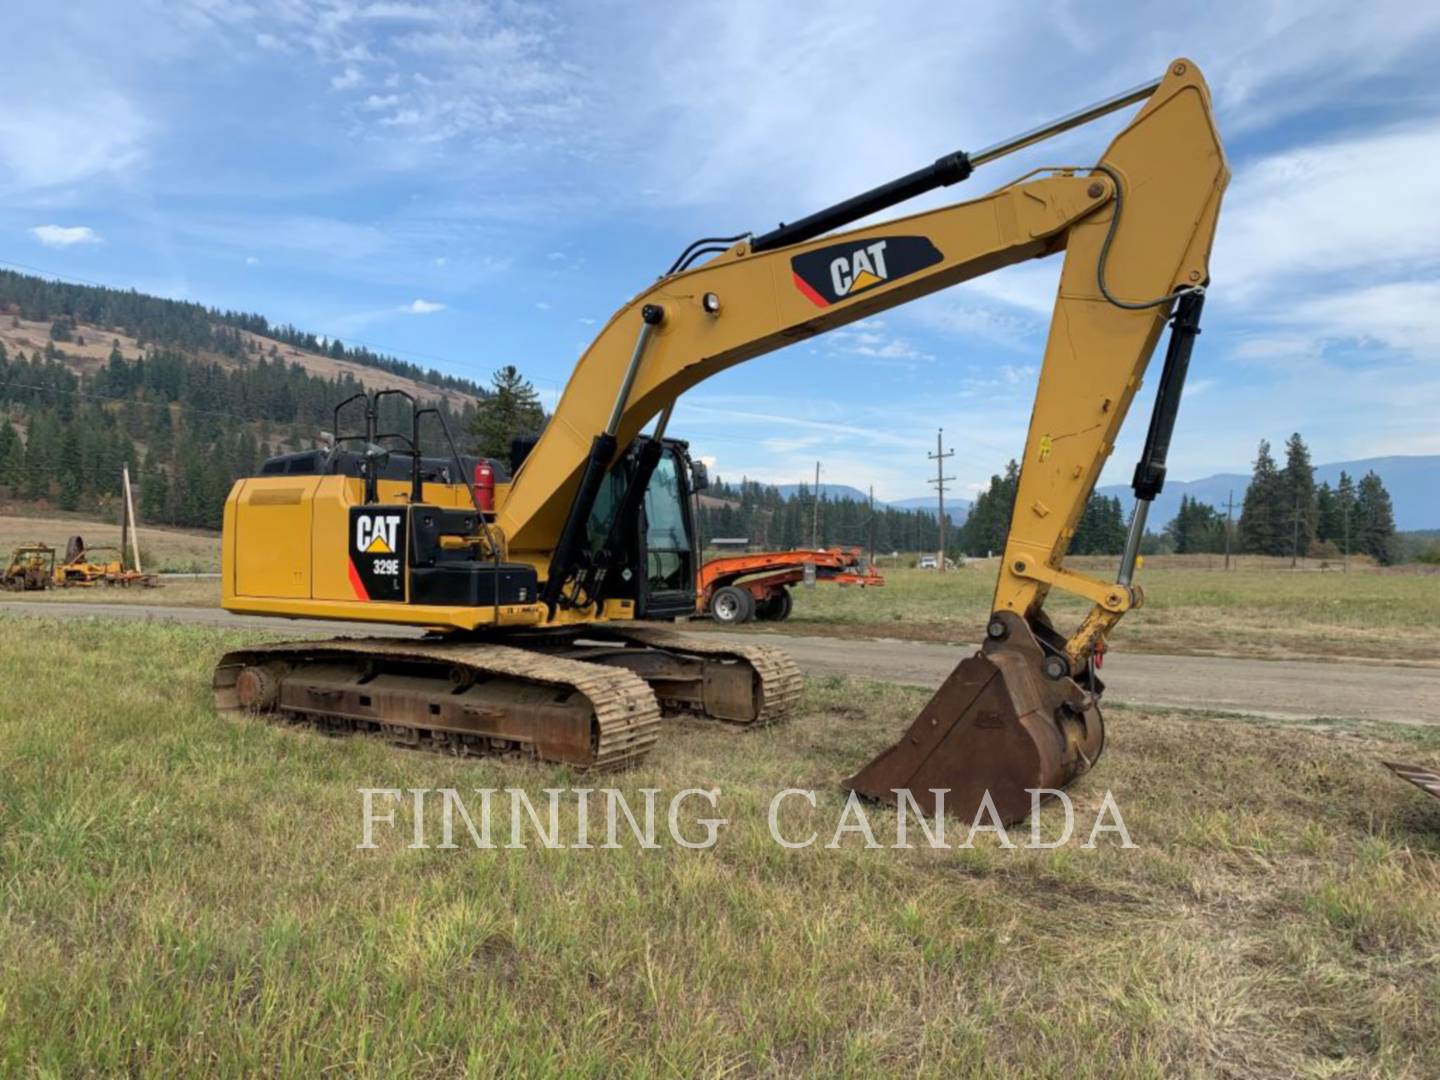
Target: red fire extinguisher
(485, 486)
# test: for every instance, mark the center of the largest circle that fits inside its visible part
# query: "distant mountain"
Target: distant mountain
(1412, 480)
(829, 491)
(957, 510)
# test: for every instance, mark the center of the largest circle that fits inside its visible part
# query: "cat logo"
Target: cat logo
(840, 271)
(377, 552)
(861, 269)
(375, 533)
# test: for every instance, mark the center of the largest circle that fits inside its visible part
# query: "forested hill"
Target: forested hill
(185, 326)
(190, 399)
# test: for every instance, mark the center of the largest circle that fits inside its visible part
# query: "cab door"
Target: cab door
(667, 543)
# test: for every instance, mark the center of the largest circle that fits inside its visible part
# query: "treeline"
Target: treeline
(766, 518)
(1100, 531)
(187, 428)
(182, 325)
(1286, 513)
(769, 519)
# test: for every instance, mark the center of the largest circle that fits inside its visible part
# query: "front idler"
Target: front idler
(1007, 721)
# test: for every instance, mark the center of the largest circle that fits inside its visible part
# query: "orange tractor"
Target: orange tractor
(738, 588)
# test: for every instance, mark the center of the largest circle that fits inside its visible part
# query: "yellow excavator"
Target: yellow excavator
(542, 588)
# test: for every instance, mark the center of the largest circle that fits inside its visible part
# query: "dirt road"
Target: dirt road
(1273, 688)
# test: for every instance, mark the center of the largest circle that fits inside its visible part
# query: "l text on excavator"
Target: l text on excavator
(542, 589)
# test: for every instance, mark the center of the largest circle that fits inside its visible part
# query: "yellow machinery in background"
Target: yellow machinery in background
(539, 588)
(31, 569)
(85, 567)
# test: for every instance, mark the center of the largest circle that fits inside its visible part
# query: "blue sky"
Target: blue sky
(469, 184)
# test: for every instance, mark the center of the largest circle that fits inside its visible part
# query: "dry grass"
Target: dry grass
(1252, 612)
(182, 893)
(174, 592)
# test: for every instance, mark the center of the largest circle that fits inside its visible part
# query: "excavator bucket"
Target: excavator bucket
(1427, 780)
(999, 724)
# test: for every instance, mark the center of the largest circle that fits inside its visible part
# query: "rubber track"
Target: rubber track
(781, 684)
(626, 710)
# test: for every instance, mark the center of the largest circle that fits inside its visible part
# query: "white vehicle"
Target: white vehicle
(927, 562)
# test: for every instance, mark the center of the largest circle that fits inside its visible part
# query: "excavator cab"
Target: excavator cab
(646, 549)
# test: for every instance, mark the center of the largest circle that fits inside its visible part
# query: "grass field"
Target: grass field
(182, 893)
(1250, 612)
(173, 592)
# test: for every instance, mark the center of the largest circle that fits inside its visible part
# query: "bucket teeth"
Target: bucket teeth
(1426, 779)
(997, 725)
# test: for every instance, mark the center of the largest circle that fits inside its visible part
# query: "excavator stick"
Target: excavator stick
(999, 725)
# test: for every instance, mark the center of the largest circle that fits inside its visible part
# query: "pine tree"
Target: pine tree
(41, 454)
(1375, 518)
(1298, 485)
(1101, 530)
(512, 410)
(988, 525)
(1327, 516)
(12, 457)
(1345, 512)
(1262, 516)
(1198, 528)
(71, 469)
(154, 490)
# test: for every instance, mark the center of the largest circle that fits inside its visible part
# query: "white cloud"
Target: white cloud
(542, 305)
(251, 260)
(871, 339)
(423, 307)
(59, 236)
(347, 79)
(1401, 315)
(413, 12)
(378, 102)
(94, 132)
(403, 118)
(972, 319)
(1338, 206)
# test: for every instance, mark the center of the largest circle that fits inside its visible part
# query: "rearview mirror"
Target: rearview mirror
(699, 476)
(376, 458)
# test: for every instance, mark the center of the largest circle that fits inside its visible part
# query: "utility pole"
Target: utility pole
(129, 529)
(940, 481)
(1229, 512)
(1345, 563)
(871, 537)
(815, 511)
(1295, 534)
